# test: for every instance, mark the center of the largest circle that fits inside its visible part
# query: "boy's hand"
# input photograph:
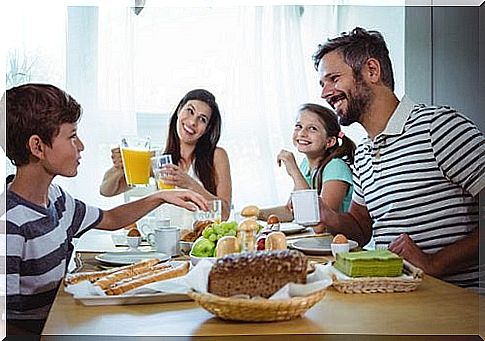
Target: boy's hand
(184, 198)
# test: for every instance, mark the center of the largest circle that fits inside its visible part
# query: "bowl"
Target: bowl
(185, 247)
(194, 259)
(337, 248)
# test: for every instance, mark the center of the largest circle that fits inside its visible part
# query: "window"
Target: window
(129, 72)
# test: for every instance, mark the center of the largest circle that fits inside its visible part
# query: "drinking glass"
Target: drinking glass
(158, 161)
(135, 153)
(214, 213)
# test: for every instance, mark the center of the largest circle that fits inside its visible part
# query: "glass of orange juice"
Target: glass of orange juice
(158, 161)
(135, 153)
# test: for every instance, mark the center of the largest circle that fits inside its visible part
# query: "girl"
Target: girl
(198, 164)
(328, 154)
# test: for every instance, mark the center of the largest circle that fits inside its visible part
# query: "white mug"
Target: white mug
(305, 207)
(165, 240)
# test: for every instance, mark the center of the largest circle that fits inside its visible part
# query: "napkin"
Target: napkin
(197, 280)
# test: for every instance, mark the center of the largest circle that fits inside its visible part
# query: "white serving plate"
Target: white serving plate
(134, 299)
(129, 257)
(290, 228)
(317, 246)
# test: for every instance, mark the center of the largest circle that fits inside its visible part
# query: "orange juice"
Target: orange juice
(162, 185)
(137, 166)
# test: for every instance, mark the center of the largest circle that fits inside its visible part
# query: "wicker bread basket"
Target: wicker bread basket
(257, 310)
(367, 285)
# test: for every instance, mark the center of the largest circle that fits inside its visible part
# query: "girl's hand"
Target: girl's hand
(174, 175)
(288, 159)
(116, 158)
(185, 198)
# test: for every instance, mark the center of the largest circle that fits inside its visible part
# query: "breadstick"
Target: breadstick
(87, 276)
(96, 275)
(154, 269)
(161, 275)
(128, 271)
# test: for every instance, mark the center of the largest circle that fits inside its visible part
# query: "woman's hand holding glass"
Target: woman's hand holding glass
(173, 175)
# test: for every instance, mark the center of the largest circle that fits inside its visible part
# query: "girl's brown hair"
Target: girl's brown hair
(344, 148)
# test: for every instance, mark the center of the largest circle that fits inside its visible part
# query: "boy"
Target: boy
(42, 219)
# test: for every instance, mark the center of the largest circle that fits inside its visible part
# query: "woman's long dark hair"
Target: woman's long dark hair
(206, 145)
(344, 150)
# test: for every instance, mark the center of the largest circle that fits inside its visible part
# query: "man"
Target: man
(419, 172)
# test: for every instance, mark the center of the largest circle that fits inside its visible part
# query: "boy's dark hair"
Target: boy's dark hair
(357, 47)
(36, 109)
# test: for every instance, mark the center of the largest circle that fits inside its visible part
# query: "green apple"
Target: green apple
(203, 247)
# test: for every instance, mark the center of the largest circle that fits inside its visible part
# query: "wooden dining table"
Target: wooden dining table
(433, 311)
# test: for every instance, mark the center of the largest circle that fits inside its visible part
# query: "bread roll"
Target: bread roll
(150, 277)
(250, 211)
(227, 245)
(275, 241)
(260, 273)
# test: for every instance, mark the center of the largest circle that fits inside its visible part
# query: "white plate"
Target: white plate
(125, 258)
(134, 299)
(290, 228)
(318, 246)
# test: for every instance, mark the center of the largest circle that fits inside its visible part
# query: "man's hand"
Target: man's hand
(184, 198)
(405, 247)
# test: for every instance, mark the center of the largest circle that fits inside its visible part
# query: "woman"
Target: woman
(328, 154)
(198, 164)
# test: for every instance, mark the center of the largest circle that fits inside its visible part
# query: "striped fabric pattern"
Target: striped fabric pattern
(422, 176)
(39, 247)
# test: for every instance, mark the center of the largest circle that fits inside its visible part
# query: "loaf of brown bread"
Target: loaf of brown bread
(259, 273)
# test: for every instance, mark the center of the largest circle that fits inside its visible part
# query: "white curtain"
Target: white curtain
(129, 71)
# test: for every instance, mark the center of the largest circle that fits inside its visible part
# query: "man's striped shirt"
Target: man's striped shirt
(422, 176)
(39, 247)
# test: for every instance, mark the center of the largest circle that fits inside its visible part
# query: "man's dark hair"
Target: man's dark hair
(36, 109)
(357, 47)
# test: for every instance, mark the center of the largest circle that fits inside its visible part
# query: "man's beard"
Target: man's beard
(357, 104)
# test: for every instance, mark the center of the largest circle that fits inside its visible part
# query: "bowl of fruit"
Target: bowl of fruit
(216, 240)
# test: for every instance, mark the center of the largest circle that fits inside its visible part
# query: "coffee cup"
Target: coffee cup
(165, 240)
(305, 207)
